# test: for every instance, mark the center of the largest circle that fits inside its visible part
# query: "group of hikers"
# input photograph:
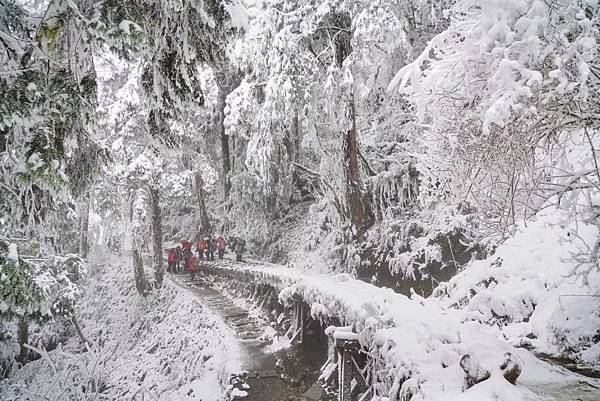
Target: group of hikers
(187, 256)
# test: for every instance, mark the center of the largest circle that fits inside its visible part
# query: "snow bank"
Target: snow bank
(537, 289)
(419, 345)
(164, 347)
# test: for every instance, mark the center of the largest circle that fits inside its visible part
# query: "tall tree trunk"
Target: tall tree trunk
(296, 131)
(84, 218)
(139, 276)
(204, 222)
(157, 237)
(23, 337)
(228, 78)
(292, 139)
(138, 272)
(225, 151)
(232, 150)
(361, 214)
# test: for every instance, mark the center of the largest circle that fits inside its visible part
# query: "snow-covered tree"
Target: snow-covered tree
(37, 290)
(47, 89)
(504, 91)
(315, 113)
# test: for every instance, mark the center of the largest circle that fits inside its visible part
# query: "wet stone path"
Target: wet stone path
(283, 375)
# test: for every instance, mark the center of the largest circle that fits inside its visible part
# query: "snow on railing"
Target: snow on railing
(398, 347)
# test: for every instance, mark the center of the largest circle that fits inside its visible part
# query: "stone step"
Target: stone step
(234, 309)
(252, 336)
(243, 325)
(238, 314)
(221, 304)
(240, 321)
(229, 315)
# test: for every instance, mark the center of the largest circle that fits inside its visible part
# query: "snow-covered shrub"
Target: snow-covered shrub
(45, 289)
(530, 289)
(36, 294)
(495, 93)
(419, 249)
(59, 280)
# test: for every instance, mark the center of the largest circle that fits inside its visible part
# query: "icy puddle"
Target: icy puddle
(266, 376)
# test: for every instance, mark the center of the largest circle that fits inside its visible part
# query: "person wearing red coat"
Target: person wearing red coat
(193, 266)
(221, 245)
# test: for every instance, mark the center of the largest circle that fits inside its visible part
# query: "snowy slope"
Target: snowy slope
(163, 347)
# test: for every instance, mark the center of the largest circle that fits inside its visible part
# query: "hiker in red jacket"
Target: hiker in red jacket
(221, 245)
(193, 266)
(201, 248)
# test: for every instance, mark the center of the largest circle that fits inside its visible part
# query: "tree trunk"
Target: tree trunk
(157, 237)
(361, 214)
(23, 337)
(138, 273)
(84, 340)
(225, 152)
(227, 78)
(139, 276)
(84, 218)
(204, 222)
(292, 140)
(232, 154)
(297, 139)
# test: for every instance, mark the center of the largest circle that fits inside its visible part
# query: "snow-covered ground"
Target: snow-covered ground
(167, 346)
(519, 296)
(538, 289)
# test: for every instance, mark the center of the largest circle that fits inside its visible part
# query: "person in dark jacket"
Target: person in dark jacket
(240, 247)
(177, 260)
(212, 247)
(170, 259)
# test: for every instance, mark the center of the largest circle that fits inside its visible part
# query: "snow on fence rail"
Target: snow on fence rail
(418, 349)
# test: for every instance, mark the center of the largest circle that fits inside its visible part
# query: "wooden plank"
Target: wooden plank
(366, 394)
(295, 335)
(327, 362)
(327, 372)
(360, 377)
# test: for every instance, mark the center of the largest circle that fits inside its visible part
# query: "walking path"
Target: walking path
(266, 376)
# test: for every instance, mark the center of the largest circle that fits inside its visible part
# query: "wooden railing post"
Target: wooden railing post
(345, 374)
(354, 382)
(332, 354)
(302, 337)
(300, 322)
